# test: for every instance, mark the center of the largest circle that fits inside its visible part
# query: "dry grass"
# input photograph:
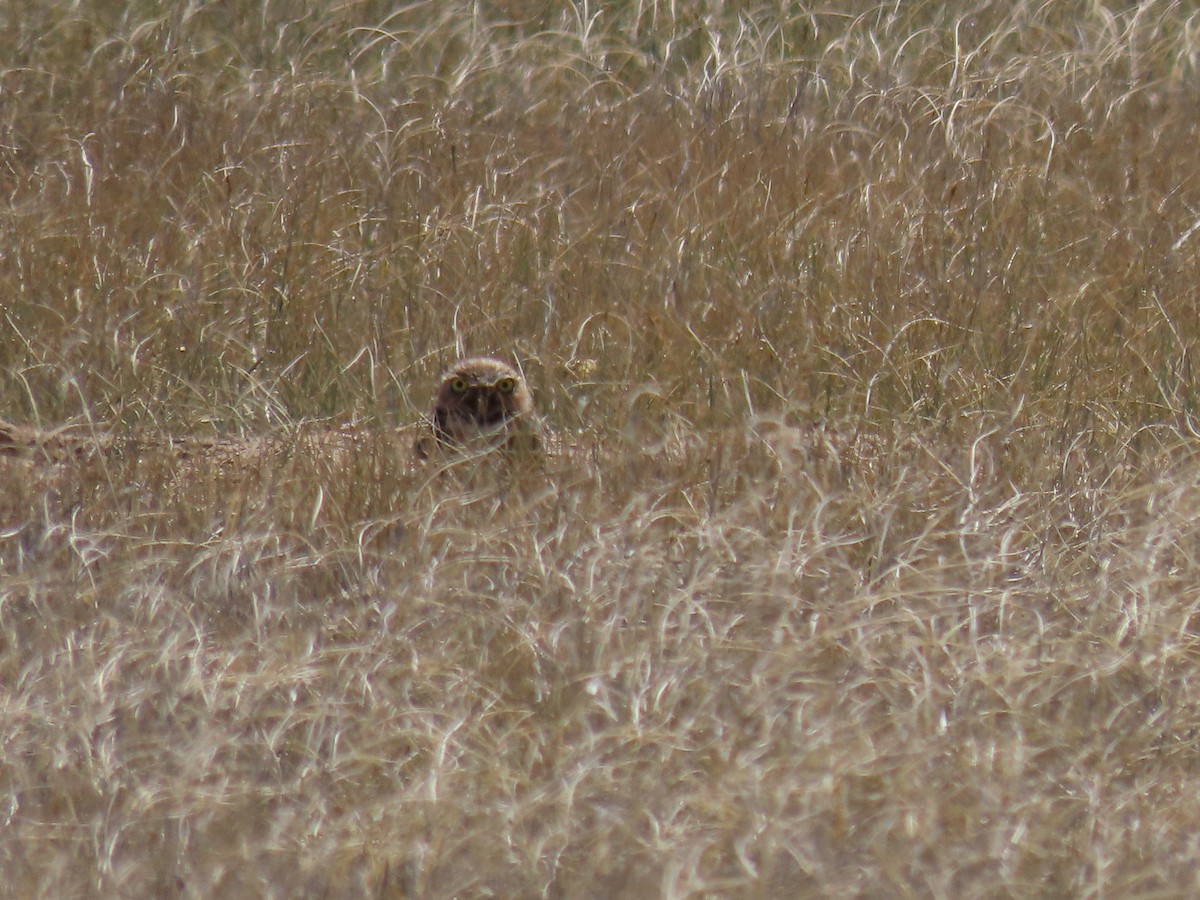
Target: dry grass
(874, 567)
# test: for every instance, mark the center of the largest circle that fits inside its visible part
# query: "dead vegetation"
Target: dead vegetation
(865, 560)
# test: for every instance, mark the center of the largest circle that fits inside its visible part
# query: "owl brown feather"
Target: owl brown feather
(482, 404)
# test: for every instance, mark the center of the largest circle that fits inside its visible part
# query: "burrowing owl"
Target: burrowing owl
(483, 404)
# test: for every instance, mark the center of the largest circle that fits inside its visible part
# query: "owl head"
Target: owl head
(481, 403)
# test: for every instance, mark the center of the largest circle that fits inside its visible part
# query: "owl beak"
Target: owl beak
(487, 405)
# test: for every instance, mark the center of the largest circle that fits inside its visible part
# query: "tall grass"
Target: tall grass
(872, 567)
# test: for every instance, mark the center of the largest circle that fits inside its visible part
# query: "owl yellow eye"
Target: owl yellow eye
(506, 385)
(459, 385)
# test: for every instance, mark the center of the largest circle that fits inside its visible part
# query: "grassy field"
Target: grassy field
(873, 568)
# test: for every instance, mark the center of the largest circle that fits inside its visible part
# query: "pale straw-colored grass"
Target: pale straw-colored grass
(868, 565)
